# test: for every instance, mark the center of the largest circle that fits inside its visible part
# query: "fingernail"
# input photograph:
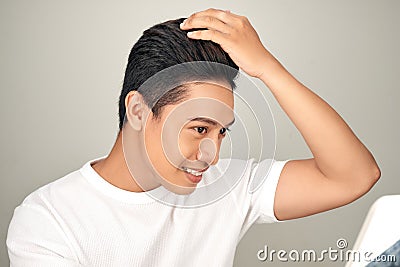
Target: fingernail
(183, 23)
(189, 33)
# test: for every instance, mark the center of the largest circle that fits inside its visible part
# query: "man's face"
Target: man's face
(186, 138)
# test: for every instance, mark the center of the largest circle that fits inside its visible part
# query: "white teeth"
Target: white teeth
(195, 173)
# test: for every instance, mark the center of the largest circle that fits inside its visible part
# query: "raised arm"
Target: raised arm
(342, 168)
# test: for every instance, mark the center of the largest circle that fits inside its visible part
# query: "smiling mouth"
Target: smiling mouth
(192, 171)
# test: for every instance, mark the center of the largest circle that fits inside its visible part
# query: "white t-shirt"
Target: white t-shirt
(82, 220)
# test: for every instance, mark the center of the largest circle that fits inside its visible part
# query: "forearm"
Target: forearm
(338, 153)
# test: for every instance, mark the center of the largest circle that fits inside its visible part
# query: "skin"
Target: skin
(342, 169)
(179, 137)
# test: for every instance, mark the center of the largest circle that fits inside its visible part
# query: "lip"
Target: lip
(203, 170)
(192, 178)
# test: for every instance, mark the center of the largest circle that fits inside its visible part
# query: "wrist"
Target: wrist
(269, 68)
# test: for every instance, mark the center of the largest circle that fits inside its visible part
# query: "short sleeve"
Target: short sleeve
(34, 239)
(263, 199)
(264, 180)
(260, 193)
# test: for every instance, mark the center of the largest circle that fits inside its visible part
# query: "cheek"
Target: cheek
(188, 146)
(152, 142)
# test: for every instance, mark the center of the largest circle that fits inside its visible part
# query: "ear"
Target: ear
(136, 110)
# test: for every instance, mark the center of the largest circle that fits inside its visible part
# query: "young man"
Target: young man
(103, 214)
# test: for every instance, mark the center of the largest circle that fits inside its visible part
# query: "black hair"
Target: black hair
(163, 46)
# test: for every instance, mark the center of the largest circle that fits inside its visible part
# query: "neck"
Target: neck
(114, 170)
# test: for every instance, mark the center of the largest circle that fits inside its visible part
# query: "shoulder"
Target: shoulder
(38, 212)
(35, 233)
(60, 188)
(45, 202)
(254, 187)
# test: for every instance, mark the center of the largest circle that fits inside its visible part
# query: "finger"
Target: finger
(208, 22)
(222, 15)
(225, 16)
(232, 14)
(209, 35)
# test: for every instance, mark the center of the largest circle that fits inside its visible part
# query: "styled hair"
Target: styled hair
(164, 46)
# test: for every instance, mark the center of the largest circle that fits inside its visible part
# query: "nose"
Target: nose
(208, 151)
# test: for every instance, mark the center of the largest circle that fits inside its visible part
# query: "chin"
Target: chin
(180, 190)
(185, 187)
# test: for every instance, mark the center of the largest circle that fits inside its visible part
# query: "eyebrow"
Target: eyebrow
(210, 121)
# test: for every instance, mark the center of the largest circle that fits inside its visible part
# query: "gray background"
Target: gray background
(62, 65)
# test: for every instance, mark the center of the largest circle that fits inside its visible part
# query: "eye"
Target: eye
(200, 130)
(223, 131)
